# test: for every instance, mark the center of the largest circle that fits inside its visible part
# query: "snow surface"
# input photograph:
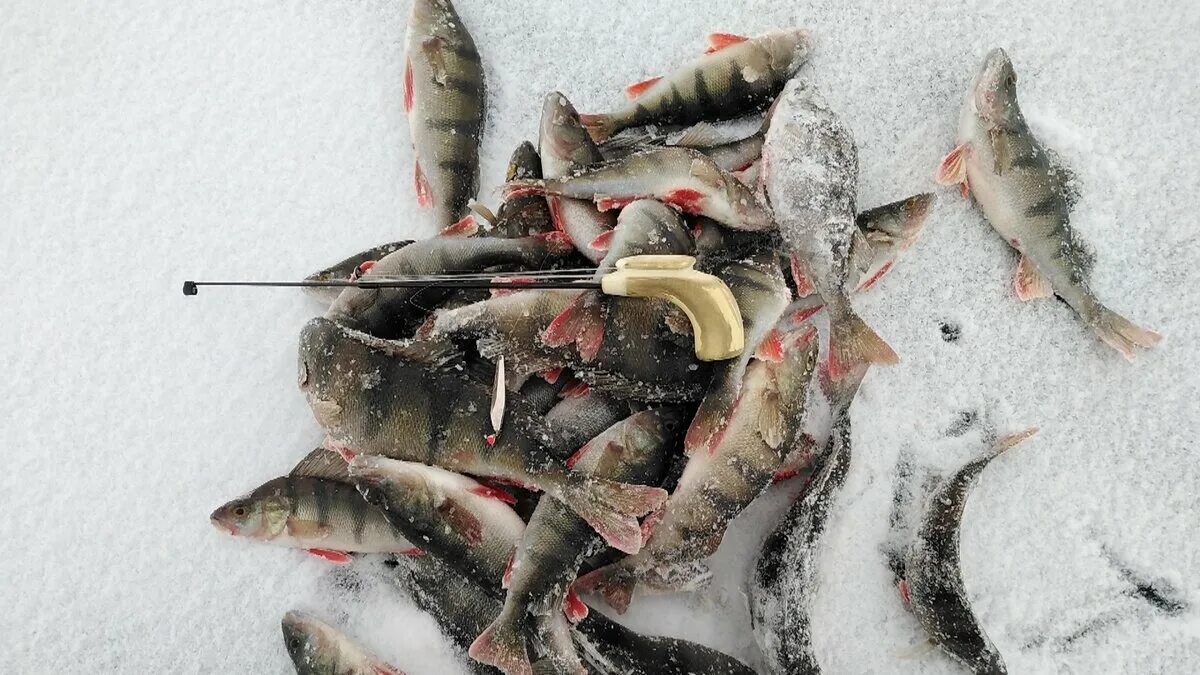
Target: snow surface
(145, 142)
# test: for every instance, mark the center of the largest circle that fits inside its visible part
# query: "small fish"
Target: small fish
(396, 312)
(1026, 198)
(444, 97)
(576, 420)
(736, 75)
(521, 216)
(811, 178)
(349, 268)
(682, 177)
(566, 149)
(732, 149)
(933, 582)
(465, 523)
(762, 296)
(718, 485)
(317, 648)
(403, 400)
(556, 541)
(784, 577)
(315, 508)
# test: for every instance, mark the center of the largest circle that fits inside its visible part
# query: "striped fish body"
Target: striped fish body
(724, 84)
(1025, 198)
(444, 98)
(566, 148)
(316, 648)
(452, 516)
(304, 512)
(682, 177)
(396, 312)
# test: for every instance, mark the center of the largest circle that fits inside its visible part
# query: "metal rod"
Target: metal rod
(193, 287)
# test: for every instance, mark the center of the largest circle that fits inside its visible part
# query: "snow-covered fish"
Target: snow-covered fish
(444, 98)
(735, 76)
(811, 178)
(933, 583)
(396, 312)
(540, 602)
(719, 484)
(521, 216)
(784, 575)
(465, 523)
(348, 269)
(315, 508)
(566, 148)
(682, 177)
(402, 400)
(733, 148)
(762, 295)
(317, 648)
(1026, 199)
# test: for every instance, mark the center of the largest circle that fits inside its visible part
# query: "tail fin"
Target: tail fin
(615, 583)
(852, 343)
(582, 323)
(502, 645)
(1121, 334)
(599, 127)
(611, 508)
(1009, 440)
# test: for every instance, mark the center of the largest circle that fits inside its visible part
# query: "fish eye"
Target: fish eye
(1010, 80)
(239, 511)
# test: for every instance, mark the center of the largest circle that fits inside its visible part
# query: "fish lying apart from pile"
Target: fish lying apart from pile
(514, 450)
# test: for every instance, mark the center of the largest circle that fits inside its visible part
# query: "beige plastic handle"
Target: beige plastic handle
(712, 309)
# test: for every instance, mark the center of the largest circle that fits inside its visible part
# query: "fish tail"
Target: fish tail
(581, 323)
(599, 127)
(1120, 333)
(852, 344)
(615, 583)
(523, 187)
(502, 644)
(1009, 440)
(611, 508)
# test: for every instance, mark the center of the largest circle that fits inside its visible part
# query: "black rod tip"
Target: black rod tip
(189, 288)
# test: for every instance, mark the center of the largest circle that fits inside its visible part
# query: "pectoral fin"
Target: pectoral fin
(306, 529)
(1029, 282)
(953, 169)
(461, 520)
(433, 49)
(1001, 152)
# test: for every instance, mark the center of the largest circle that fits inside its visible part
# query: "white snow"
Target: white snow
(143, 142)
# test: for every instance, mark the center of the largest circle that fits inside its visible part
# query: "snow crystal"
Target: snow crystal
(145, 143)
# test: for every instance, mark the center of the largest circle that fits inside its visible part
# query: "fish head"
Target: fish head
(563, 139)
(331, 366)
(652, 428)
(994, 92)
(524, 163)
(433, 18)
(256, 516)
(309, 641)
(788, 49)
(399, 488)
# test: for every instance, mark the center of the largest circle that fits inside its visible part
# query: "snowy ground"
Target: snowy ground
(142, 143)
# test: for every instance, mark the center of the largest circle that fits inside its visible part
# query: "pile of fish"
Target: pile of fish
(519, 453)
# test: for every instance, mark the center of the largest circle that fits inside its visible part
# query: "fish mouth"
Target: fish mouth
(222, 525)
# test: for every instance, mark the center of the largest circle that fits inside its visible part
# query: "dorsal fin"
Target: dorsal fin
(719, 41)
(435, 353)
(322, 463)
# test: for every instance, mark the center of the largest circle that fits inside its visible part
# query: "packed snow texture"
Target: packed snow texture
(146, 142)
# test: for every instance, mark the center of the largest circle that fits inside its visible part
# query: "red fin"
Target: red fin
(465, 227)
(408, 86)
(557, 243)
(578, 455)
(362, 269)
(603, 241)
(614, 583)
(490, 439)
(887, 266)
(804, 284)
(1029, 282)
(551, 376)
(338, 557)
(599, 127)
(506, 580)
(411, 552)
(637, 88)
(719, 41)
(461, 520)
(688, 200)
(786, 474)
(508, 655)
(852, 344)
(516, 189)
(493, 493)
(497, 292)
(421, 184)
(555, 205)
(582, 323)
(385, 669)
(612, 509)
(573, 607)
(964, 188)
(576, 389)
(903, 587)
(771, 347)
(608, 203)
(346, 453)
(953, 169)
(651, 521)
